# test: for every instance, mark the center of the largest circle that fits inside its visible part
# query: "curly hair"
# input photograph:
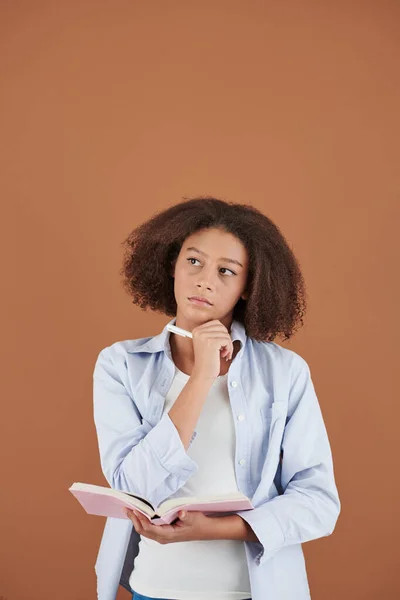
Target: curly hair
(276, 299)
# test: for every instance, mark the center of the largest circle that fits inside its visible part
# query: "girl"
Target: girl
(227, 410)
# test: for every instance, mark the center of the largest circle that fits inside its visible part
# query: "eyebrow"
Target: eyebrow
(229, 260)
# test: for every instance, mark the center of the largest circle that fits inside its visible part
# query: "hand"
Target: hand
(192, 525)
(211, 342)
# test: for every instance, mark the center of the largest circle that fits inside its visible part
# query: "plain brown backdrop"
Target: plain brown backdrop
(112, 110)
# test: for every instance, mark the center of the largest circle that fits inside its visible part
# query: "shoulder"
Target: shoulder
(291, 375)
(123, 347)
(117, 355)
(278, 356)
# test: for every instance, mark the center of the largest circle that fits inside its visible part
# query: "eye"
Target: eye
(193, 259)
(225, 269)
(222, 268)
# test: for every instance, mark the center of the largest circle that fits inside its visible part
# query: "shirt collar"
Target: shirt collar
(160, 342)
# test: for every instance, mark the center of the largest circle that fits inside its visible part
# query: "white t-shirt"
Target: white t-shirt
(204, 569)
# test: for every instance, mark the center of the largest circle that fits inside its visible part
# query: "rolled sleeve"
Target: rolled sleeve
(267, 529)
(135, 457)
(166, 444)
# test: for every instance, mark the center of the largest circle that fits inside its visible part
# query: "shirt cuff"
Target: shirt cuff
(165, 441)
(266, 527)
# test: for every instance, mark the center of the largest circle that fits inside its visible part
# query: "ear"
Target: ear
(245, 295)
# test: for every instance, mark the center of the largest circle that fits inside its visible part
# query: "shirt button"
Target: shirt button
(233, 384)
(242, 461)
(240, 417)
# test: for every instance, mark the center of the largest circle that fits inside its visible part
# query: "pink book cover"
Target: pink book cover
(110, 506)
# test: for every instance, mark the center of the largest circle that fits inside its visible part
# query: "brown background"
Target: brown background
(111, 111)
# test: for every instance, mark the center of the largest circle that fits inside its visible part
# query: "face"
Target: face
(213, 264)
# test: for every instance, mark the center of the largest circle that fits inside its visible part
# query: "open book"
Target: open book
(107, 502)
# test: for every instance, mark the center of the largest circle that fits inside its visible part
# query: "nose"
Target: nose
(206, 279)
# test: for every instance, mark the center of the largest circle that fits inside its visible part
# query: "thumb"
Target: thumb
(182, 515)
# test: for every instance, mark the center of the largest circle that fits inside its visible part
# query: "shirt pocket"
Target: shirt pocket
(266, 419)
(261, 427)
(266, 413)
(274, 418)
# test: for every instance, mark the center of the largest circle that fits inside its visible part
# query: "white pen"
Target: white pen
(179, 331)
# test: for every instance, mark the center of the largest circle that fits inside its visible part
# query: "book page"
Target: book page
(131, 499)
(139, 503)
(175, 502)
(140, 499)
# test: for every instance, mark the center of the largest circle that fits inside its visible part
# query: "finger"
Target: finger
(146, 527)
(210, 323)
(136, 523)
(154, 531)
(226, 347)
(210, 326)
(218, 334)
(215, 327)
(228, 352)
(143, 521)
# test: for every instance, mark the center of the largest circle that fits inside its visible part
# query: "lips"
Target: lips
(200, 300)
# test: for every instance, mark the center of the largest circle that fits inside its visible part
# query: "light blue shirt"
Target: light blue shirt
(283, 459)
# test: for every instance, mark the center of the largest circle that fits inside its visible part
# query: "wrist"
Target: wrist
(214, 529)
(201, 380)
(230, 527)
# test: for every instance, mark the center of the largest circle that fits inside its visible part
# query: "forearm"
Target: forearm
(187, 407)
(230, 527)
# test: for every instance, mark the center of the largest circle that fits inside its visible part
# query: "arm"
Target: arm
(136, 457)
(309, 507)
(187, 407)
(231, 527)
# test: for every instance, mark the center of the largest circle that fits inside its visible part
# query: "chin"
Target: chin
(198, 314)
